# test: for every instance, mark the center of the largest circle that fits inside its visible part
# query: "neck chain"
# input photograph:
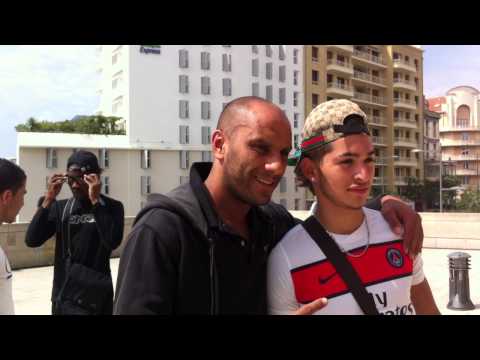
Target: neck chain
(366, 246)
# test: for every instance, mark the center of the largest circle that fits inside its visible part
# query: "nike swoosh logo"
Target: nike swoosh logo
(326, 279)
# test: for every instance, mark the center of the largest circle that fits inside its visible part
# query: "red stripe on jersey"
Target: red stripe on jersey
(320, 279)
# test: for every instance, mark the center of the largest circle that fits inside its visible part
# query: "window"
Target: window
(314, 100)
(281, 52)
(205, 85)
(269, 71)
(205, 61)
(255, 67)
(283, 184)
(295, 56)
(314, 53)
(281, 95)
(104, 158)
(227, 87)
(281, 73)
(269, 92)
(116, 56)
(295, 78)
(183, 110)
(205, 105)
(255, 89)
(117, 104)
(206, 156)
(268, 50)
(206, 134)
(117, 79)
(314, 76)
(295, 120)
(145, 159)
(105, 184)
(295, 141)
(464, 136)
(52, 158)
(255, 49)
(227, 62)
(183, 58)
(283, 202)
(295, 98)
(184, 180)
(184, 159)
(297, 204)
(145, 184)
(463, 116)
(184, 134)
(183, 84)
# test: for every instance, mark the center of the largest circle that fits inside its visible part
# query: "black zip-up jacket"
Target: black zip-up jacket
(181, 258)
(95, 232)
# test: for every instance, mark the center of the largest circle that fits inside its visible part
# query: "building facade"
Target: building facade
(431, 143)
(170, 98)
(460, 133)
(387, 82)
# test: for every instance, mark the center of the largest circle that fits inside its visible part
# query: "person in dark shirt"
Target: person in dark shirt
(88, 227)
(203, 248)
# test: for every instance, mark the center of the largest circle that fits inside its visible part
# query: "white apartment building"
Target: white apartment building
(170, 97)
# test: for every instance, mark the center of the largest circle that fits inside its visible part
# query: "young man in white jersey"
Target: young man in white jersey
(336, 161)
(12, 192)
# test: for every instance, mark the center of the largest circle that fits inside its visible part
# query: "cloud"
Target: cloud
(46, 82)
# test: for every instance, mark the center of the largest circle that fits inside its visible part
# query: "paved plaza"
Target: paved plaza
(32, 287)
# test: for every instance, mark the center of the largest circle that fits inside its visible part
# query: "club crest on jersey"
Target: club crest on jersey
(395, 258)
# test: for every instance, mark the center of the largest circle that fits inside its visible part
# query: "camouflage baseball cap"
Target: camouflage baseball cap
(328, 122)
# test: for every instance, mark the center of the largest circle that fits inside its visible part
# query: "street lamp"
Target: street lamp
(440, 171)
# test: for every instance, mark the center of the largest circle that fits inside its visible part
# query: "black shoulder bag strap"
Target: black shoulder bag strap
(341, 264)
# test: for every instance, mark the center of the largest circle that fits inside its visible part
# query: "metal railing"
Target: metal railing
(339, 86)
(367, 77)
(377, 120)
(339, 63)
(369, 57)
(378, 140)
(369, 98)
(405, 140)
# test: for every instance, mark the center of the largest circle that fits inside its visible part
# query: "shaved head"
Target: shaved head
(242, 110)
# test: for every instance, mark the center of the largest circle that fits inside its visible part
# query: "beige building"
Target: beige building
(431, 143)
(460, 133)
(387, 82)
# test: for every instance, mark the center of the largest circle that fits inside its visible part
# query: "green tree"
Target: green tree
(469, 202)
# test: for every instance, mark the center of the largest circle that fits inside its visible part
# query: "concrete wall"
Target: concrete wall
(441, 231)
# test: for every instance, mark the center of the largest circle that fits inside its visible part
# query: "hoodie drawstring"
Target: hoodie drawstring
(213, 280)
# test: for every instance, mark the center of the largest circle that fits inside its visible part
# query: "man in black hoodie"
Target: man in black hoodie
(88, 227)
(202, 249)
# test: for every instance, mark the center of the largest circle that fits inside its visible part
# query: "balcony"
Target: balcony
(405, 103)
(400, 180)
(377, 120)
(404, 122)
(369, 99)
(404, 85)
(344, 48)
(405, 142)
(370, 79)
(460, 157)
(405, 161)
(339, 89)
(458, 129)
(379, 140)
(369, 58)
(338, 66)
(379, 181)
(381, 161)
(403, 65)
(459, 142)
(466, 172)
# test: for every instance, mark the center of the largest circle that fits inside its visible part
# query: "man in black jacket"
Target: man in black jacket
(88, 227)
(202, 249)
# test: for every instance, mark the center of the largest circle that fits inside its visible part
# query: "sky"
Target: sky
(59, 82)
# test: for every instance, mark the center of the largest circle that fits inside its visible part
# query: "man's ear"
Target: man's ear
(218, 144)
(6, 197)
(307, 167)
